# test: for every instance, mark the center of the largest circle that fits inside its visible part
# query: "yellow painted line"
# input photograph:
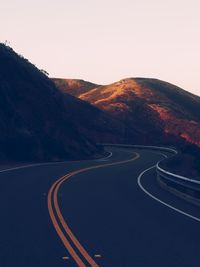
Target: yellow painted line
(54, 191)
(66, 243)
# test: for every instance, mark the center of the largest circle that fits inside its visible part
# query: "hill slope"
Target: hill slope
(94, 122)
(34, 119)
(73, 86)
(161, 112)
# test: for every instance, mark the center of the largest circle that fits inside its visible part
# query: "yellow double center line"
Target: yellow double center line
(67, 234)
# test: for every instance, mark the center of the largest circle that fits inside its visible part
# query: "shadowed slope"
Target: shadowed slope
(34, 121)
(161, 112)
(96, 123)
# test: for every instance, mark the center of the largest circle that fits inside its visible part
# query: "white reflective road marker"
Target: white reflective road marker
(97, 256)
(65, 258)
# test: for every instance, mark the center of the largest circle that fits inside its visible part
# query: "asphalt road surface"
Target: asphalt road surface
(109, 213)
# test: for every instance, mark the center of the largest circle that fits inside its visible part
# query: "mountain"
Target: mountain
(35, 120)
(159, 112)
(74, 87)
(93, 122)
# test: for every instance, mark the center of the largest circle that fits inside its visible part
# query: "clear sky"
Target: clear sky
(106, 40)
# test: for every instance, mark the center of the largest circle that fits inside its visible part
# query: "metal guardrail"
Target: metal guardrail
(180, 186)
(185, 185)
(176, 177)
(144, 147)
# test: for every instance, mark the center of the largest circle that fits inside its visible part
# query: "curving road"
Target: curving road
(108, 212)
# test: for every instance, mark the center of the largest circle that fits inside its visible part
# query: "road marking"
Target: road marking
(160, 201)
(60, 233)
(50, 163)
(109, 156)
(162, 154)
(53, 202)
(97, 256)
(65, 258)
(106, 158)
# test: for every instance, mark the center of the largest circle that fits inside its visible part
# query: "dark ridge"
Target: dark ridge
(34, 120)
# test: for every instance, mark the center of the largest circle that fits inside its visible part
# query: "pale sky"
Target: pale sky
(106, 40)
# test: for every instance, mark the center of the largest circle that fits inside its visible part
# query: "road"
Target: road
(109, 212)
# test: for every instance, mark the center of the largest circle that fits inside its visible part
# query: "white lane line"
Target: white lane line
(160, 201)
(52, 163)
(162, 154)
(109, 156)
(26, 166)
(106, 158)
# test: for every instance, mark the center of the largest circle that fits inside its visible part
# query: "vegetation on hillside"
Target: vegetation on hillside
(153, 111)
(34, 121)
